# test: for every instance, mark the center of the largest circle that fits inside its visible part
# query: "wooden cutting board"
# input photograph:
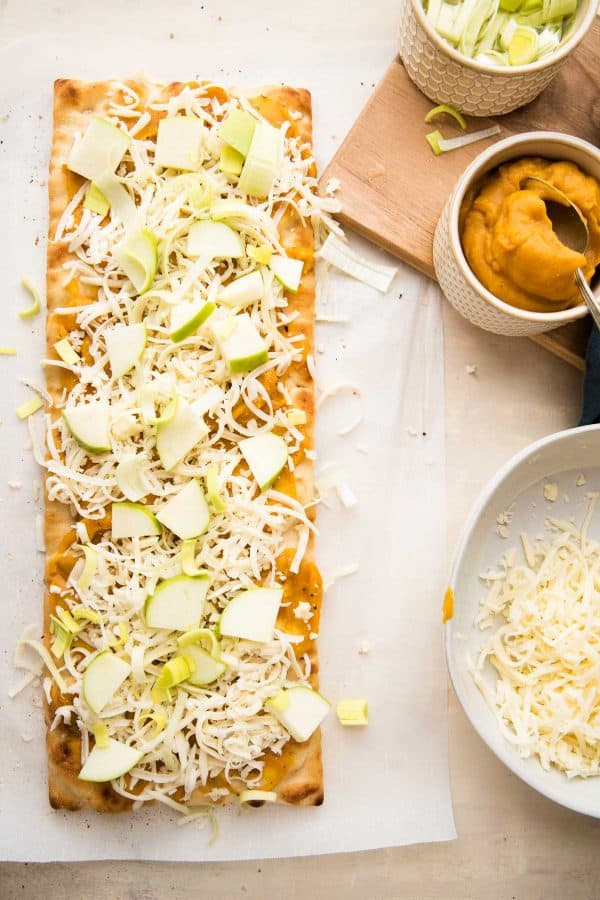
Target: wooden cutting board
(393, 188)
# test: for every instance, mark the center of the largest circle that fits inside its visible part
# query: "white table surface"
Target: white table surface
(512, 843)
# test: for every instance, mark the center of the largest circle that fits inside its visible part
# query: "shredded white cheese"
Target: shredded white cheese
(219, 729)
(545, 648)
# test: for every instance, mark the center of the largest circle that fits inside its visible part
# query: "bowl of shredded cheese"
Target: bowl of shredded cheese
(523, 617)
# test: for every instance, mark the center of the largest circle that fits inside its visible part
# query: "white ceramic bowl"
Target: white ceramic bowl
(560, 458)
(446, 76)
(461, 287)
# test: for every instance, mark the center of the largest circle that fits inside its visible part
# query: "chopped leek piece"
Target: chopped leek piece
(339, 254)
(159, 719)
(29, 407)
(62, 638)
(353, 712)
(67, 353)
(120, 201)
(95, 200)
(296, 417)
(82, 613)
(558, 9)
(8, 351)
(481, 29)
(100, 732)
(128, 475)
(187, 557)
(230, 161)
(212, 490)
(440, 144)
(138, 257)
(262, 254)
(67, 621)
(123, 629)
(89, 568)
(433, 139)
(35, 307)
(448, 110)
(150, 398)
(198, 636)
(523, 46)
(176, 670)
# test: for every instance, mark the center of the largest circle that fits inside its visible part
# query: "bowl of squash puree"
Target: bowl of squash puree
(496, 255)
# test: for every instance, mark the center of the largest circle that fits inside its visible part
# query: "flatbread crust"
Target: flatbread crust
(296, 776)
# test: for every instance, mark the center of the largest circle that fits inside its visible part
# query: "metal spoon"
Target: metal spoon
(571, 229)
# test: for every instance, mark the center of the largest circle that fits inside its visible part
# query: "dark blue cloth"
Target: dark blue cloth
(590, 413)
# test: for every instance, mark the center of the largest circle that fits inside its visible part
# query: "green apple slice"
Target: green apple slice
(95, 200)
(300, 710)
(177, 604)
(129, 479)
(262, 163)
(206, 668)
(179, 143)
(240, 343)
(130, 520)
(110, 762)
(175, 438)
(186, 514)
(102, 678)
(124, 345)
(214, 240)
(137, 255)
(266, 454)
(251, 615)
(230, 161)
(242, 291)
(120, 201)
(89, 423)
(237, 130)
(186, 318)
(101, 148)
(288, 271)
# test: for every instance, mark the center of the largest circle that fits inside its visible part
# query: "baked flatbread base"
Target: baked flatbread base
(296, 776)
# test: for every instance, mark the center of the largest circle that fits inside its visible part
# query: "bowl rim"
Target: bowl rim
(504, 751)
(588, 13)
(482, 163)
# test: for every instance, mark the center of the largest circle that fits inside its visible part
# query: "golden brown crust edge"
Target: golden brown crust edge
(302, 783)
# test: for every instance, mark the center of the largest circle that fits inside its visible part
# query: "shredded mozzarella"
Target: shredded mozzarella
(545, 648)
(220, 729)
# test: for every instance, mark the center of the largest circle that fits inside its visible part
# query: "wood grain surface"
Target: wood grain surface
(393, 188)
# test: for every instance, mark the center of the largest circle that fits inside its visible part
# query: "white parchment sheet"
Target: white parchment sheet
(386, 784)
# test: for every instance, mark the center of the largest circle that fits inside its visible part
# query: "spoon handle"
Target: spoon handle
(592, 303)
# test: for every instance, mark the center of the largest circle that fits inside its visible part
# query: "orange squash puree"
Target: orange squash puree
(508, 239)
(305, 586)
(448, 605)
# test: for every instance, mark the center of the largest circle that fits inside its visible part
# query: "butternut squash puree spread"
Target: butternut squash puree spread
(508, 239)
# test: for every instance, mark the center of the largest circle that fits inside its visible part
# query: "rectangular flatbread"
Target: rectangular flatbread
(195, 743)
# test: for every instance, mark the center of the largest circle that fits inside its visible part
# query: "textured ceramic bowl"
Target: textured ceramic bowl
(559, 458)
(461, 287)
(446, 76)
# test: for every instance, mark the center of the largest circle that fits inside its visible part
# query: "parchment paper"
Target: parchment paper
(386, 784)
